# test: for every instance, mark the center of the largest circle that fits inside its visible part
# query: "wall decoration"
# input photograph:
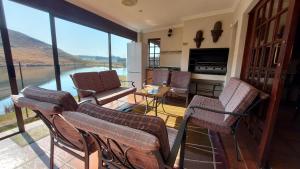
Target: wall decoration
(216, 32)
(199, 38)
(170, 32)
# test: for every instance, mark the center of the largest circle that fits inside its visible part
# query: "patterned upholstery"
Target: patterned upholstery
(141, 146)
(111, 95)
(88, 81)
(237, 96)
(61, 98)
(48, 103)
(229, 90)
(110, 79)
(160, 76)
(180, 79)
(150, 124)
(240, 101)
(207, 119)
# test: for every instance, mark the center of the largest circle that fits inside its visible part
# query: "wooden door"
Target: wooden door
(270, 38)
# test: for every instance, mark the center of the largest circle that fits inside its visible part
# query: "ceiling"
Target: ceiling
(148, 15)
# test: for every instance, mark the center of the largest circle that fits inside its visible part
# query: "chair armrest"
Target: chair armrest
(218, 111)
(128, 81)
(93, 92)
(178, 142)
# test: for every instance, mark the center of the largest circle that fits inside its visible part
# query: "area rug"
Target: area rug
(204, 149)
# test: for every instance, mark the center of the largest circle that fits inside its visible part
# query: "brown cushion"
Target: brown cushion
(88, 81)
(61, 98)
(110, 79)
(160, 76)
(208, 119)
(240, 101)
(150, 124)
(111, 95)
(229, 90)
(180, 79)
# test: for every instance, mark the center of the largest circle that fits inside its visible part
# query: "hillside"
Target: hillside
(28, 50)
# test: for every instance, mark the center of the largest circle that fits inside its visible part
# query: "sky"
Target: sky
(72, 38)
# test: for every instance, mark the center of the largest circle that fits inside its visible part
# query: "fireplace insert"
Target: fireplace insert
(208, 61)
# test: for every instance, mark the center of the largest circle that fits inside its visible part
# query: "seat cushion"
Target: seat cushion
(110, 79)
(61, 98)
(150, 124)
(240, 101)
(88, 81)
(208, 119)
(111, 95)
(229, 90)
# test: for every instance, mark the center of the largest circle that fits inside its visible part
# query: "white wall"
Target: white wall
(234, 26)
(168, 45)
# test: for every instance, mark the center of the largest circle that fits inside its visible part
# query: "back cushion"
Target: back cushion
(61, 98)
(160, 76)
(150, 124)
(110, 79)
(229, 90)
(240, 101)
(180, 79)
(88, 81)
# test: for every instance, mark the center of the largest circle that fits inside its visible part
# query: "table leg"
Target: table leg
(156, 101)
(162, 103)
(146, 111)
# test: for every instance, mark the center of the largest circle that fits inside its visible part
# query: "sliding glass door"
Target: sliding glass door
(80, 49)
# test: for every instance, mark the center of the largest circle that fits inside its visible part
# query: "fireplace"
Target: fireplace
(208, 61)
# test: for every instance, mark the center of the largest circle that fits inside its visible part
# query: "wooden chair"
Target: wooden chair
(48, 105)
(224, 114)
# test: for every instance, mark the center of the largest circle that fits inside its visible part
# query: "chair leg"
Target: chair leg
(187, 100)
(134, 98)
(86, 160)
(236, 147)
(51, 152)
(182, 149)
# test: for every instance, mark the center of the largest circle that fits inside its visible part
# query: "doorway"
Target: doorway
(285, 145)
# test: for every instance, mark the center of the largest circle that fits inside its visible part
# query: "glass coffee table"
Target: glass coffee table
(158, 93)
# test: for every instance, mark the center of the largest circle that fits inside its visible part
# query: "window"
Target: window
(119, 55)
(80, 49)
(154, 52)
(31, 46)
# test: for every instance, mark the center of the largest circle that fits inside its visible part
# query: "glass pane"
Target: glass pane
(271, 31)
(7, 112)
(285, 4)
(281, 26)
(30, 40)
(275, 7)
(80, 49)
(267, 13)
(119, 55)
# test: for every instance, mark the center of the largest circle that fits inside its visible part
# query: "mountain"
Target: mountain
(28, 50)
(102, 58)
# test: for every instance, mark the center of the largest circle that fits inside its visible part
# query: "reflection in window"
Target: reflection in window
(80, 49)
(154, 52)
(119, 55)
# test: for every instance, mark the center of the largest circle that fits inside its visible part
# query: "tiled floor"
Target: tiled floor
(36, 155)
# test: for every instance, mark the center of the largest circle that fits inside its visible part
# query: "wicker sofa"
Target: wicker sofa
(101, 87)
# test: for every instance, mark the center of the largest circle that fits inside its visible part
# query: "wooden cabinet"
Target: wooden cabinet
(149, 74)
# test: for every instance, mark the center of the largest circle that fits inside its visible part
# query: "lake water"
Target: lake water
(66, 82)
